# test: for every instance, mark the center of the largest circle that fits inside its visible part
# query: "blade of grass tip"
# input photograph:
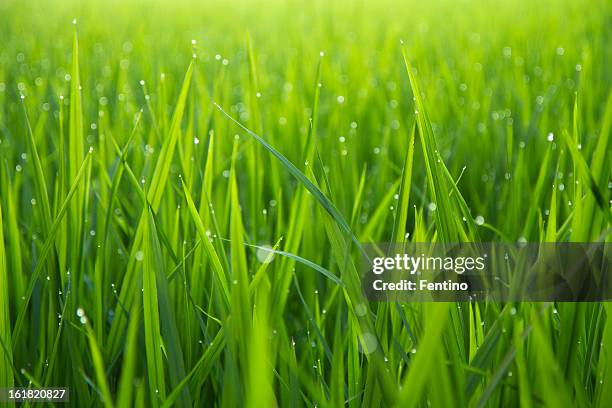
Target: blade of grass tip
(116, 181)
(162, 168)
(445, 219)
(74, 221)
(586, 174)
(538, 192)
(39, 179)
(359, 195)
(6, 358)
(302, 178)
(254, 162)
(40, 264)
(399, 231)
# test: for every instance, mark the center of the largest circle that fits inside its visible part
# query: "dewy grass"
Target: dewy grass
(185, 189)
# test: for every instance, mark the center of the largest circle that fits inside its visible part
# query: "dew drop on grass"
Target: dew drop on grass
(479, 220)
(361, 309)
(432, 206)
(370, 343)
(264, 254)
(550, 137)
(196, 141)
(139, 256)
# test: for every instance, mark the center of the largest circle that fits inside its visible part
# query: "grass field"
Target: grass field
(184, 187)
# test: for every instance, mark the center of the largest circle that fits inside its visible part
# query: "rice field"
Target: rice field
(185, 188)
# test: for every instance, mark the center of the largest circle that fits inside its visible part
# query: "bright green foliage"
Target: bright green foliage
(181, 222)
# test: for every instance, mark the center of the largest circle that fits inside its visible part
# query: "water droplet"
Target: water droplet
(139, 256)
(479, 220)
(361, 309)
(550, 137)
(370, 343)
(265, 254)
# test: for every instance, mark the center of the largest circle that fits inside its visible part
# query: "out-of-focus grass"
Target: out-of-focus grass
(181, 220)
